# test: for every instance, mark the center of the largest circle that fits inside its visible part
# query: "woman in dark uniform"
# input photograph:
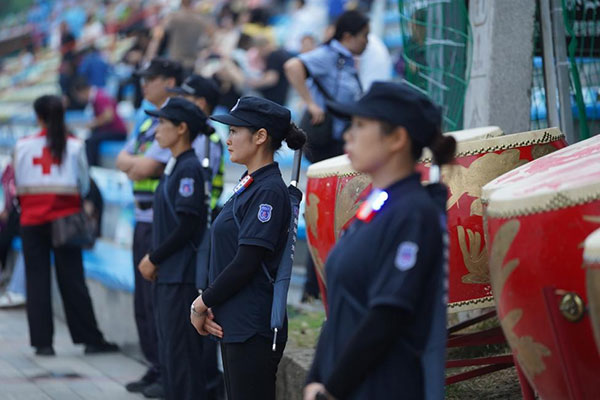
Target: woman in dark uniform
(248, 238)
(179, 220)
(386, 277)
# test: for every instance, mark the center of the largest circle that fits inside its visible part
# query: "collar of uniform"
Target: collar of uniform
(265, 171)
(173, 160)
(404, 184)
(337, 46)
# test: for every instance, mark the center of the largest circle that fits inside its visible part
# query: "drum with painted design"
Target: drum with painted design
(591, 262)
(334, 191)
(537, 223)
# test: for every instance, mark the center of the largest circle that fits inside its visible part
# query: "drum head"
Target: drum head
(565, 178)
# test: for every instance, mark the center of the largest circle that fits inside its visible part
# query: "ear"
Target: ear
(261, 136)
(171, 82)
(398, 139)
(182, 128)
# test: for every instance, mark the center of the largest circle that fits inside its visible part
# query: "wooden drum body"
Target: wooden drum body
(537, 225)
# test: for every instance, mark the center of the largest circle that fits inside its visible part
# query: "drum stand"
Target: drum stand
(479, 338)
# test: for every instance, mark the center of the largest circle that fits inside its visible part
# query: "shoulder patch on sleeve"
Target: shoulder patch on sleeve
(264, 212)
(406, 256)
(186, 187)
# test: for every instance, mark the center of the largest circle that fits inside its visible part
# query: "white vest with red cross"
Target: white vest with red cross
(47, 189)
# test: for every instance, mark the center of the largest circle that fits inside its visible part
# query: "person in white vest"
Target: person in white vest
(51, 176)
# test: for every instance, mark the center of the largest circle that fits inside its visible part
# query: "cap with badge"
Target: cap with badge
(160, 66)
(181, 110)
(250, 111)
(399, 105)
(199, 86)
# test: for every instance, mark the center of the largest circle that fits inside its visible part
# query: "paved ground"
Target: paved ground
(68, 375)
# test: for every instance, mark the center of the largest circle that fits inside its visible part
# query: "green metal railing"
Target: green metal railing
(437, 44)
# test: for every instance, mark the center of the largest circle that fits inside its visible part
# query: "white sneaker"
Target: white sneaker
(10, 299)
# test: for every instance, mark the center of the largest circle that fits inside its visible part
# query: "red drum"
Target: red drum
(591, 262)
(537, 225)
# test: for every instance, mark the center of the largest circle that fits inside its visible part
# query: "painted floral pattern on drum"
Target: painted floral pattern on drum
(529, 352)
(474, 257)
(469, 180)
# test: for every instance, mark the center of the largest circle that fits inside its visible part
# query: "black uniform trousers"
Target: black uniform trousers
(251, 368)
(143, 301)
(37, 244)
(180, 345)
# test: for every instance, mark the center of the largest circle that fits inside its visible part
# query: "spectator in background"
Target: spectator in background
(131, 62)
(330, 68)
(272, 83)
(93, 67)
(182, 36)
(107, 124)
(68, 66)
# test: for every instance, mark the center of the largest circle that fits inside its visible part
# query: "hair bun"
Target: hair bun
(443, 149)
(295, 137)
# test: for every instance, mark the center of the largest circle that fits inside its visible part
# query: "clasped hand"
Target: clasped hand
(204, 319)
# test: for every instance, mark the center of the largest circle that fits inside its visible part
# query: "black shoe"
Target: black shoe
(102, 347)
(154, 391)
(138, 386)
(44, 351)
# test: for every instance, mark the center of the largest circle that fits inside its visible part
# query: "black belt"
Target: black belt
(143, 205)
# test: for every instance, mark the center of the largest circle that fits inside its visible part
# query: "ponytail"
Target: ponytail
(50, 110)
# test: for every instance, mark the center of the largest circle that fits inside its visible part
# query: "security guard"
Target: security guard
(248, 238)
(204, 92)
(143, 160)
(179, 223)
(387, 277)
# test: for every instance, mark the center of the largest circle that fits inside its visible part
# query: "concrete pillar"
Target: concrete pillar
(501, 69)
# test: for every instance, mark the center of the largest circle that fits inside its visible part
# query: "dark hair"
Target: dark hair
(442, 147)
(50, 110)
(350, 22)
(206, 129)
(294, 137)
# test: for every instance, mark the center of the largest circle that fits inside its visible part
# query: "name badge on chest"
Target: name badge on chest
(372, 205)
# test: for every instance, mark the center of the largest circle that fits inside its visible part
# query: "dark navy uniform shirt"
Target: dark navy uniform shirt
(263, 211)
(185, 189)
(396, 259)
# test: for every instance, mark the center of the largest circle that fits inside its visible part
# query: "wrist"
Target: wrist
(197, 312)
(199, 305)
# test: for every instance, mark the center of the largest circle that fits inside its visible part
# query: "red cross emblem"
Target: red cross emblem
(46, 160)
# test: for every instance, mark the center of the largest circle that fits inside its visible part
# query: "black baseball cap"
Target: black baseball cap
(182, 110)
(199, 86)
(398, 104)
(160, 66)
(256, 112)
